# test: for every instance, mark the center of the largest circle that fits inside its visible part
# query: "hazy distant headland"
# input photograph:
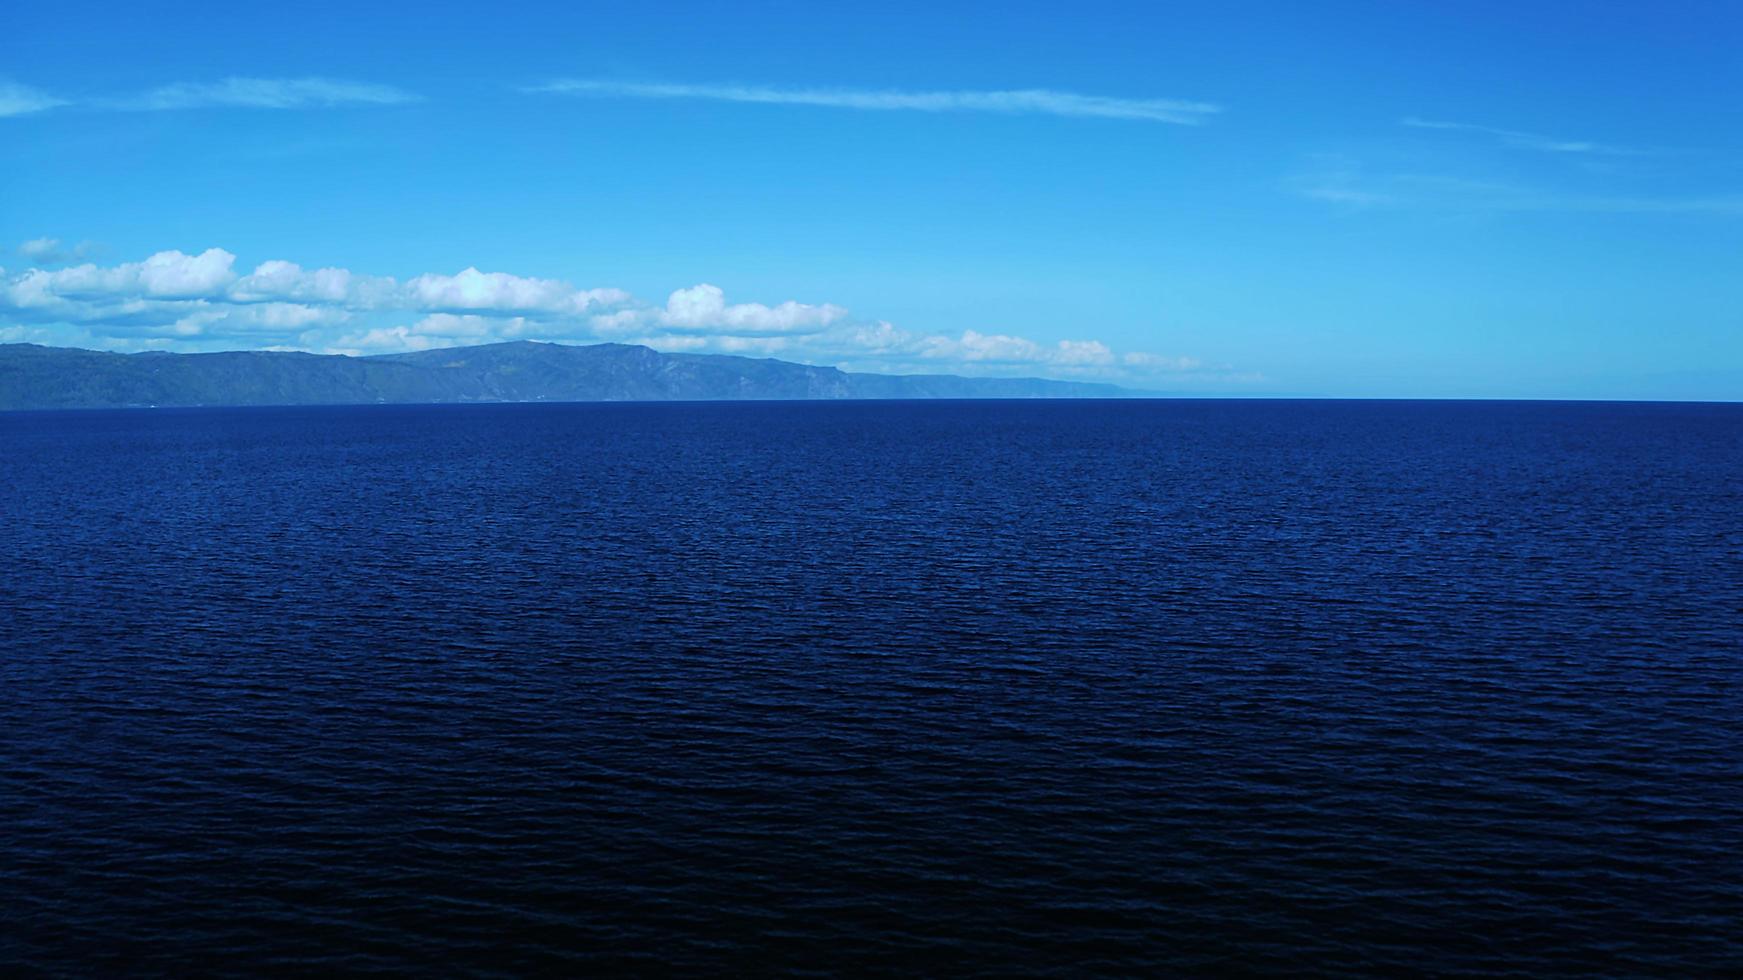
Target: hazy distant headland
(37, 377)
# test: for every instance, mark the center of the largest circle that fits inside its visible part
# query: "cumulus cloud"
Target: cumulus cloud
(201, 301)
(165, 275)
(277, 279)
(882, 348)
(976, 348)
(498, 291)
(387, 340)
(704, 307)
(438, 330)
(1159, 363)
(211, 276)
(159, 291)
(203, 294)
(1007, 101)
(1001, 349)
(272, 320)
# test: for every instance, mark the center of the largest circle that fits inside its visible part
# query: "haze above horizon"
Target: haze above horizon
(1248, 198)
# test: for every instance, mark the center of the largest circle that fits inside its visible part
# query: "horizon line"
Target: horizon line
(1131, 394)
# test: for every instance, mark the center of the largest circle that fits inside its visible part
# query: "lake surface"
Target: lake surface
(1006, 687)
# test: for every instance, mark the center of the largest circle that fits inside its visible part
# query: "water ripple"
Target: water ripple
(1046, 689)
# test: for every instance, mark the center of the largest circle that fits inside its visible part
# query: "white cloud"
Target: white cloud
(882, 347)
(1009, 102)
(435, 331)
(280, 280)
(133, 293)
(271, 319)
(261, 93)
(671, 343)
(1526, 141)
(52, 251)
(387, 340)
(30, 298)
(20, 100)
(198, 301)
(499, 291)
(41, 250)
(704, 307)
(975, 347)
(718, 344)
(1158, 363)
(469, 326)
(1358, 188)
(173, 274)
(880, 337)
(281, 317)
(234, 93)
(623, 322)
(165, 275)
(173, 287)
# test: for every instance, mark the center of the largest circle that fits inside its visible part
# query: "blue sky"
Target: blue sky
(1339, 198)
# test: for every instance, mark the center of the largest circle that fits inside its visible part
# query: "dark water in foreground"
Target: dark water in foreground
(1062, 687)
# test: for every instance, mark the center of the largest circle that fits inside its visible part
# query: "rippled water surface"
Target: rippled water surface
(1055, 687)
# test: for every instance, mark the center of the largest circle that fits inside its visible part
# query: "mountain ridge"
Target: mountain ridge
(34, 376)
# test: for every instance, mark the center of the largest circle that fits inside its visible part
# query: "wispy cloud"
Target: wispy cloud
(1354, 187)
(19, 100)
(1008, 102)
(52, 251)
(262, 93)
(236, 93)
(1527, 141)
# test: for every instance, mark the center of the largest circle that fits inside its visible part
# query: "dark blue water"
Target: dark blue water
(1058, 688)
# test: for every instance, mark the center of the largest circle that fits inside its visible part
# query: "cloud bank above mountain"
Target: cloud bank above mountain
(205, 301)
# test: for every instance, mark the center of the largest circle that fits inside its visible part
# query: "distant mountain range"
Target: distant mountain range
(36, 377)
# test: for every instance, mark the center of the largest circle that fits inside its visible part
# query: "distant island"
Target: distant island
(37, 377)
